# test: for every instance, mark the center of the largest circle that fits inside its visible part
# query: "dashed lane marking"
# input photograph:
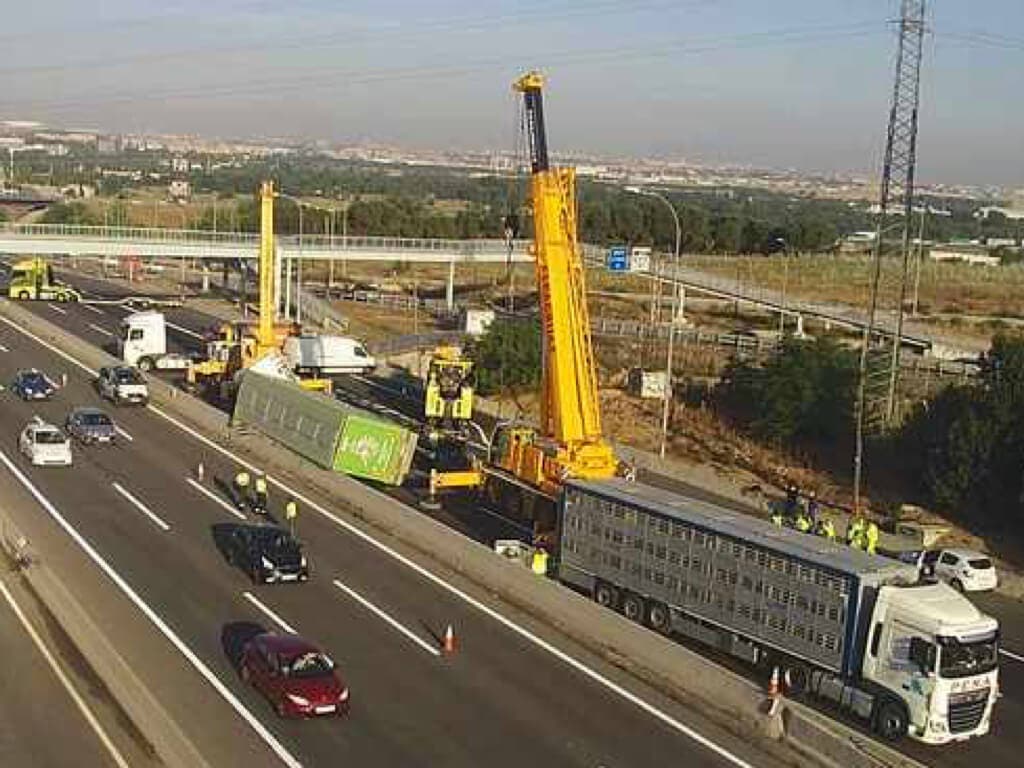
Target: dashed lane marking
(141, 507)
(98, 329)
(434, 651)
(214, 498)
(57, 309)
(269, 613)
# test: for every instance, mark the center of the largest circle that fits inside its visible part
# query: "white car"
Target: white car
(965, 570)
(122, 384)
(45, 445)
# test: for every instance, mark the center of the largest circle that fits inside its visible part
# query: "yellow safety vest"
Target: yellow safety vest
(291, 510)
(872, 537)
(540, 563)
(242, 479)
(261, 485)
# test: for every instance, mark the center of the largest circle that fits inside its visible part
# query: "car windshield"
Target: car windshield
(33, 379)
(963, 659)
(307, 665)
(127, 376)
(49, 437)
(94, 419)
(980, 563)
(274, 540)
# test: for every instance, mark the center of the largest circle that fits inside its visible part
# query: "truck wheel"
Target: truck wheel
(957, 585)
(633, 608)
(62, 298)
(890, 720)
(604, 595)
(23, 296)
(145, 364)
(658, 618)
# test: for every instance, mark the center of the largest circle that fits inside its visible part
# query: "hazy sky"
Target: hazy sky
(780, 83)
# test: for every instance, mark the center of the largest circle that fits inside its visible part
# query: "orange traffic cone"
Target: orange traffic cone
(449, 640)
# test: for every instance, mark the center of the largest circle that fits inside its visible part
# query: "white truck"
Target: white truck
(142, 342)
(316, 354)
(860, 631)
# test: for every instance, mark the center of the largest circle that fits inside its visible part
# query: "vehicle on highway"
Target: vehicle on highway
(142, 341)
(319, 354)
(860, 631)
(90, 425)
(122, 384)
(965, 570)
(33, 384)
(34, 279)
(267, 553)
(45, 444)
(297, 678)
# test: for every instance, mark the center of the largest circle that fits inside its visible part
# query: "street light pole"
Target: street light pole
(666, 401)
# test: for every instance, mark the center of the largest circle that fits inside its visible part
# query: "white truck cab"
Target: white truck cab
(142, 342)
(934, 651)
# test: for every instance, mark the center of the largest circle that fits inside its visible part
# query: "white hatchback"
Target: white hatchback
(45, 445)
(966, 570)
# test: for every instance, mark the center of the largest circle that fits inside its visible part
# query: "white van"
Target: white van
(317, 354)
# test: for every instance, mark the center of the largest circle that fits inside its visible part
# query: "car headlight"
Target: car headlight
(299, 701)
(265, 562)
(343, 696)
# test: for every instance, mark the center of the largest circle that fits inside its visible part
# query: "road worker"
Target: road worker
(871, 537)
(826, 528)
(259, 503)
(240, 485)
(803, 522)
(291, 510)
(813, 507)
(855, 533)
(540, 562)
(776, 516)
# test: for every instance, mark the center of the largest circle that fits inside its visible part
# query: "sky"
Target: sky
(801, 84)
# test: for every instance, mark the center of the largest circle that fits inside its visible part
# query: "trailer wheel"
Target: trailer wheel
(145, 364)
(890, 721)
(23, 296)
(605, 596)
(633, 608)
(658, 617)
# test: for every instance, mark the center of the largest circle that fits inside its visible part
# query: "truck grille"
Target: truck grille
(966, 710)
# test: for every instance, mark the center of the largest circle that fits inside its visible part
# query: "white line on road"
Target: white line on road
(90, 718)
(57, 309)
(426, 574)
(393, 622)
(261, 730)
(3, 348)
(96, 328)
(124, 434)
(141, 507)
(538, 641)
(214, 498)
(183, 329)
(1011, 655)
(95, 310)
(269, 613)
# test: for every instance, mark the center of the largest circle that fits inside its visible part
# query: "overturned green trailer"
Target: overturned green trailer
(331, 434)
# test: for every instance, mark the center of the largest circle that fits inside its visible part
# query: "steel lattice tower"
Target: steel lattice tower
(879, 369)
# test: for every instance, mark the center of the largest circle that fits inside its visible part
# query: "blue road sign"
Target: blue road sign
(618, 258)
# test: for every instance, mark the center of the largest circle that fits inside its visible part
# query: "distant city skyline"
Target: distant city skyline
(739, 82)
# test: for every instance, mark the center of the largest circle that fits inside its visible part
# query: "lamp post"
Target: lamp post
(675, 311)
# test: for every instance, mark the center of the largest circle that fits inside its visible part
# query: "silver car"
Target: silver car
(90, 425)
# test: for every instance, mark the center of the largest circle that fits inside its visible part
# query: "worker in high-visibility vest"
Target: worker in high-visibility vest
(854, 532)
(826, 528)
(871, 537)
(291, 510)
(803, 522)
(776, 517)
(240, 485)
(540, 562)
(259, 502)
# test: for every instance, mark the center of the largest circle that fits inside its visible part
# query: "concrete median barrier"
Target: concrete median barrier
(792, 732)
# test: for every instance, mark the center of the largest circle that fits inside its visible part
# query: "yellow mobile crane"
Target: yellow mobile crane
(240, 345)
(527, 466)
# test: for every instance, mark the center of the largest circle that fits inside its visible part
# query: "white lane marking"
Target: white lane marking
(562, 656)
(141, 507)
(1012, 655)
(124, 434)
(393, 622)
(268, 738)
(3, 348)
(90, 718)
(214, 498)
(104, 331)
(184, 330)
(269, 613)
(93, 309)
(426, 574)
(57, 309)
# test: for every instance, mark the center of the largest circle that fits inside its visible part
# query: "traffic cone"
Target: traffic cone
(200, 472)
(449, 640)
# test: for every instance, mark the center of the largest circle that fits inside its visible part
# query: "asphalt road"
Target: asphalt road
(999, 748)
(501, 700)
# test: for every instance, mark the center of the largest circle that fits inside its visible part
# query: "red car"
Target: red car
(294, 675)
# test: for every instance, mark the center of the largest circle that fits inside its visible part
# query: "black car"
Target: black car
(32, 384)
(267, 553)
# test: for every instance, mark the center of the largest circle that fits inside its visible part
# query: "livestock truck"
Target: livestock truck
(858, 630)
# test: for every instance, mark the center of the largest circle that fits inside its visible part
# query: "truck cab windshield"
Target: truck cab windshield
(963, 659)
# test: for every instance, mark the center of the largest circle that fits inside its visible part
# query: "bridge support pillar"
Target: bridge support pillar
(799, 332)
(206, 279)
(449, 293)
(288, 289)
(680, 318)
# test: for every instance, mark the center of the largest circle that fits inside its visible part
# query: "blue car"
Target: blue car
(33, 384)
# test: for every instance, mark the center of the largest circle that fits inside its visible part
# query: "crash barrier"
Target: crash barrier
(680, 673)
(331, 434)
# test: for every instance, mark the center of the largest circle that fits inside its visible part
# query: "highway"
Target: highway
(998, 748)
(503, 699)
